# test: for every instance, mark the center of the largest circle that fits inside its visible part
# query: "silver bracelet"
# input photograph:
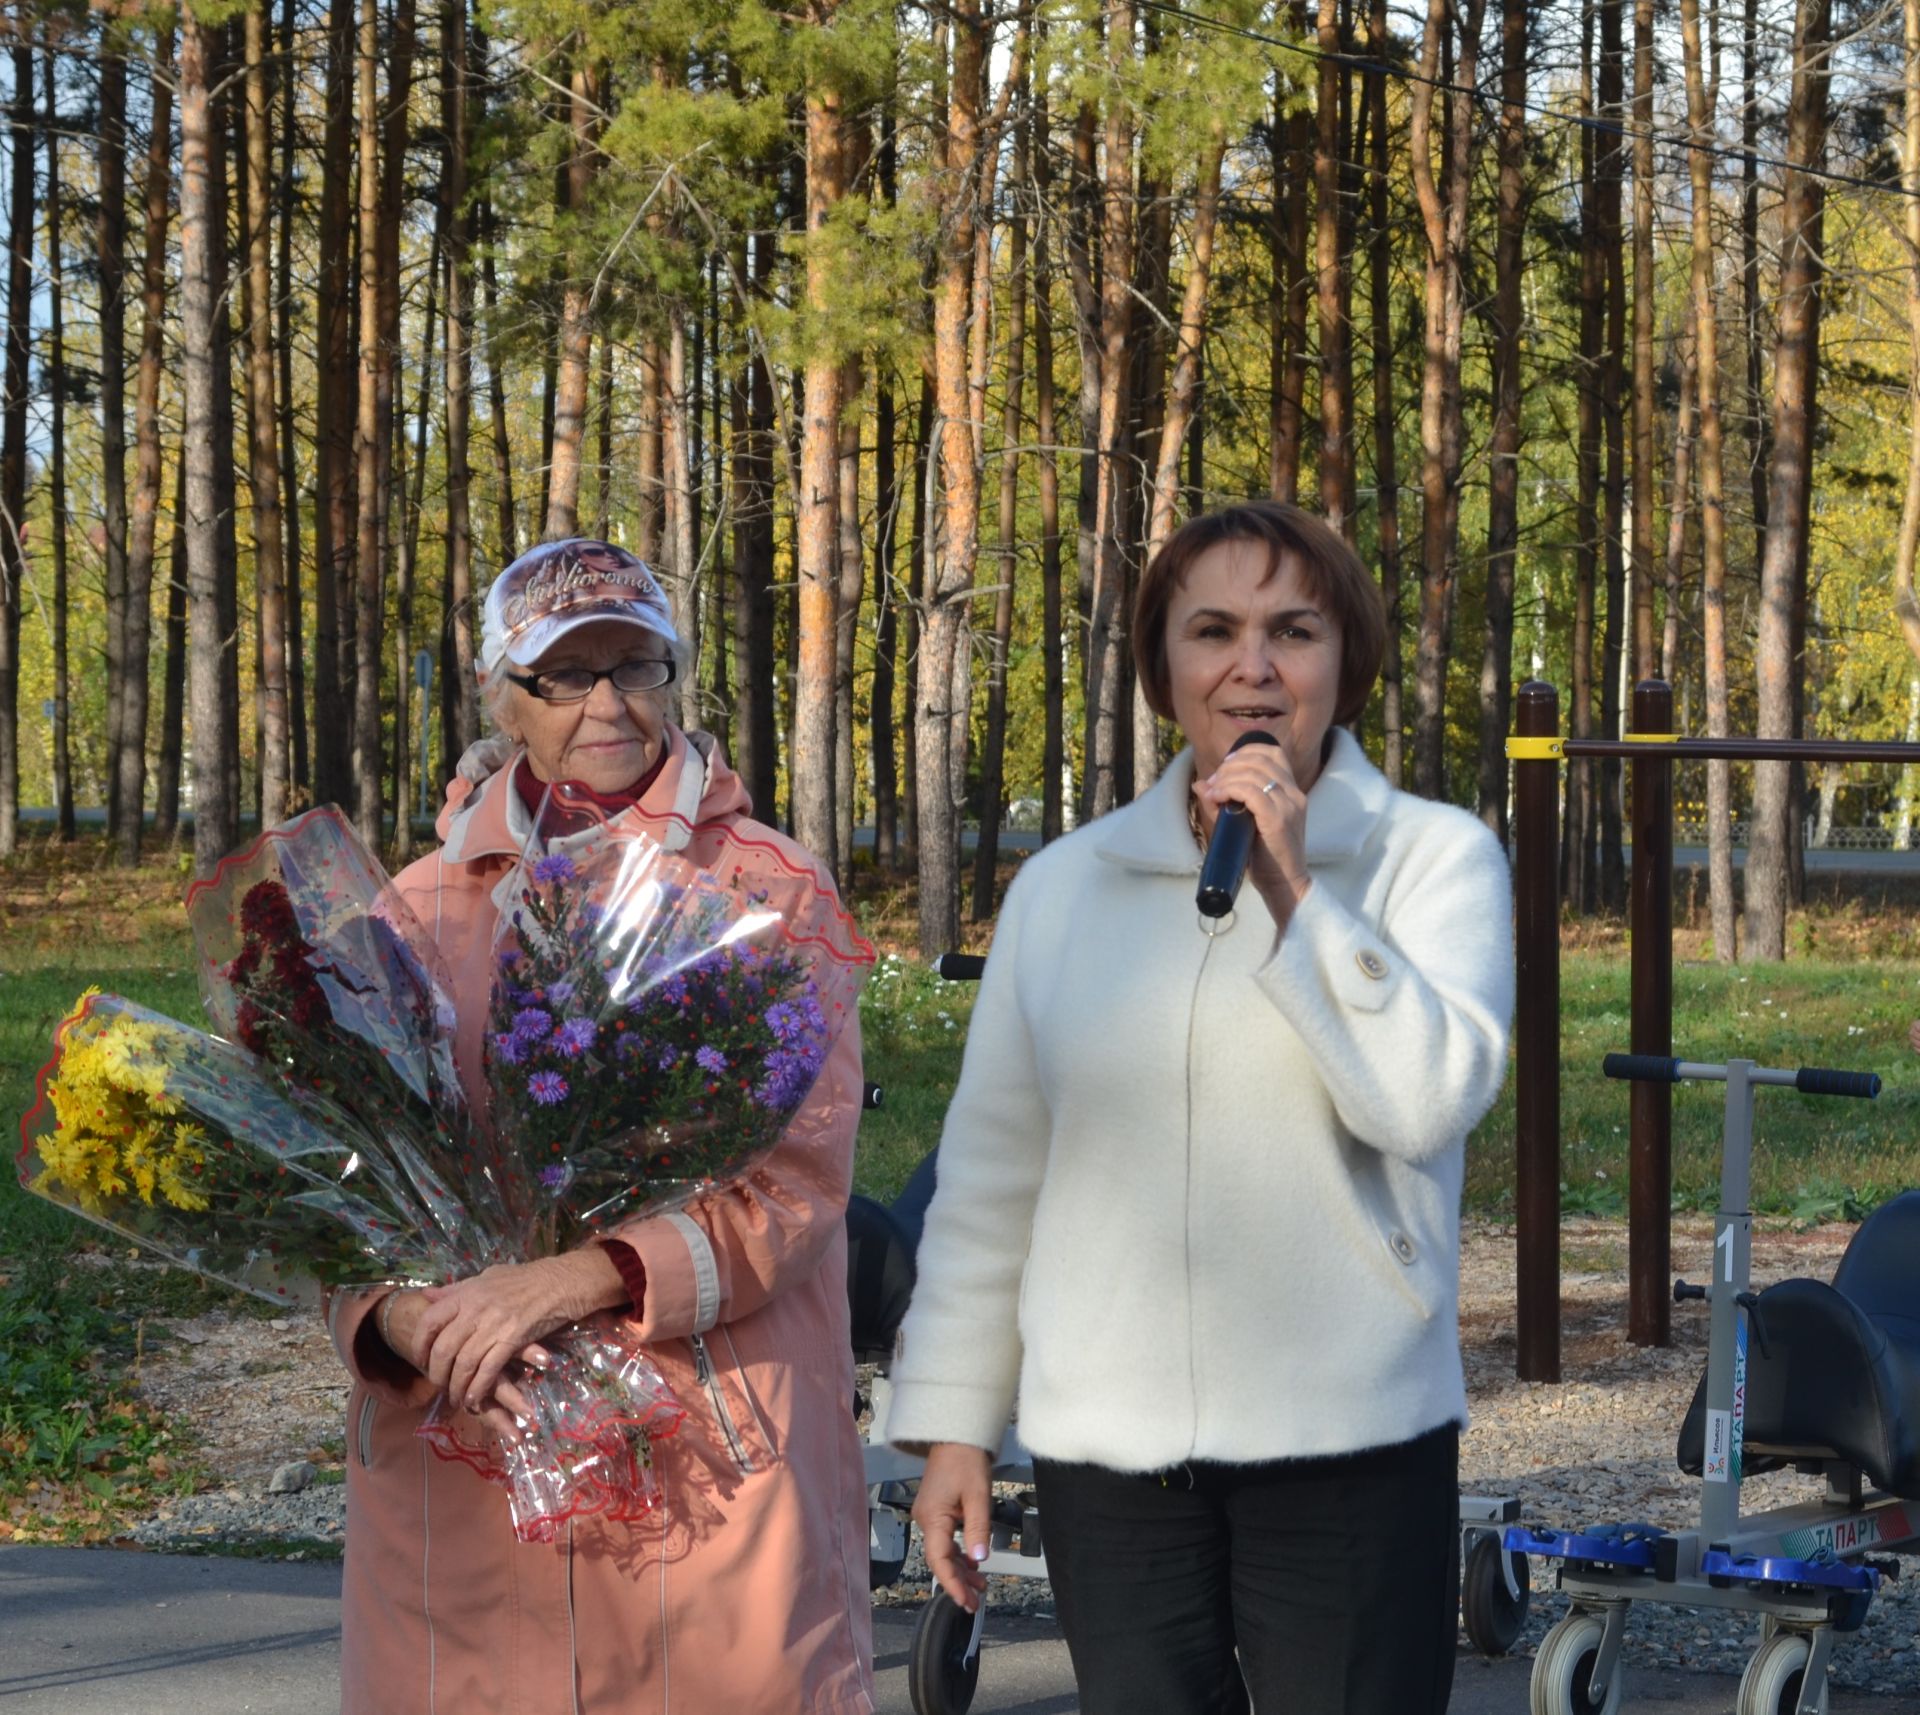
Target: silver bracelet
(383, 1315)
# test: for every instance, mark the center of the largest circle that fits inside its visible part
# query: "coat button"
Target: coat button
(1402, 1247)
(1371, 964)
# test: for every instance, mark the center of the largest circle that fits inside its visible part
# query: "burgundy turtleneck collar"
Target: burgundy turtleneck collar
(532, 789)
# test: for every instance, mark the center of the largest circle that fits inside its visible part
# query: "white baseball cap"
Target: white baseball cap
(555, 587)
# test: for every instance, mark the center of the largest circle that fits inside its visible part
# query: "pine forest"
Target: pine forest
(897, 336)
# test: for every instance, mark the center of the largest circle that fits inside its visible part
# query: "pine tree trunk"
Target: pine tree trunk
(993, 757)
(57, 463)
(1906, 604)
(1332, 287)
(680, 410)
(888, 495)
(110, 261)
(1106, 677)
(1645, 660)
(335, 524)
(1054, 791)
(1386, 463)
(459, 701)
(263, 425)
(1789, 490)
(166, 784)
(508, 547)
(917, 557)
(816, 507)
(130, 759)
(755, 743)
(1759, 449)
(1443, 212)
(943, 699)
(882, 712)
(215, 803)
(289, 444)
(1713, 603)
(370, 567)
(850, 567)
(13, 433)
(650, 468)
(412, 483)
(1678, 500)
(1137, 752)
(1609, 176)
(574, 370)
(1503, 476)
(229, 143)
(1292, 284)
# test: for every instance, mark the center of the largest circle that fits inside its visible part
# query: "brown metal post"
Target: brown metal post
(1650, 1181)
(1536, 952)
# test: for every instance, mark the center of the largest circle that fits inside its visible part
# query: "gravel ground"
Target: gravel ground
(1595, 1447)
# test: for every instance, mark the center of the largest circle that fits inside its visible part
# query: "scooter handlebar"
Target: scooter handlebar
(1647, 1068)
(1824, 1081)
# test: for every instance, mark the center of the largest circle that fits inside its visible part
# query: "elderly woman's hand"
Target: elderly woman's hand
(465, 1335)
(956, 1494)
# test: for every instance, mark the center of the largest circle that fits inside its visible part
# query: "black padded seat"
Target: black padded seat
(1839, 1377)
(879, 1277)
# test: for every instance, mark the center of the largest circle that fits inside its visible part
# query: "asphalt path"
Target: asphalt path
(99, 1631)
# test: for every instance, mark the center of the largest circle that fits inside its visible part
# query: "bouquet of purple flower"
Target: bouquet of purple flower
(656, 1020)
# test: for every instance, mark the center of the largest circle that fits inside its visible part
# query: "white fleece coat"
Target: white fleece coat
(1198, 1197)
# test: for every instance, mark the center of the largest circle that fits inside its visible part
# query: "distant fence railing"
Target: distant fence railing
(1694, 833)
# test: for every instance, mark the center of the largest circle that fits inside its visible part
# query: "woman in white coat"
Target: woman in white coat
(1199, 1185)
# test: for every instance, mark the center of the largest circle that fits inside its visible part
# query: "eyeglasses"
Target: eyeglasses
(574, 684)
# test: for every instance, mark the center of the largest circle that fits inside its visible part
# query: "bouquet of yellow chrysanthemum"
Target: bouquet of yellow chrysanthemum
(190, 1147)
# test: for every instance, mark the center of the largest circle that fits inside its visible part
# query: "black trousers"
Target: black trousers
(1315, 1586)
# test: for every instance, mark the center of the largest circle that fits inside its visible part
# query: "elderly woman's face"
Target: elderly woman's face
(606, 740)
(1248, 652)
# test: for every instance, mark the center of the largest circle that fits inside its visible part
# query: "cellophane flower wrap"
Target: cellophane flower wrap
(326, 1141)
(660, 1010)
(321, 1140)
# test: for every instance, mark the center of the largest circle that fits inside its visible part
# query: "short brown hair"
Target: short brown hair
(1332, 572)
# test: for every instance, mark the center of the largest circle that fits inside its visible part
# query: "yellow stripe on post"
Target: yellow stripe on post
(1650, 737)
(1536, 749)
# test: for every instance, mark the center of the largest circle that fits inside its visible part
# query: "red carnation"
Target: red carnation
(267, 912)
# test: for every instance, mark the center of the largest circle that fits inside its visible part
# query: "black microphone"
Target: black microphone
(1232, 844)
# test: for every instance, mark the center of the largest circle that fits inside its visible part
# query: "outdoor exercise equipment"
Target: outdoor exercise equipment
(943, 1662)
(1537, 751)
(1823, 1378)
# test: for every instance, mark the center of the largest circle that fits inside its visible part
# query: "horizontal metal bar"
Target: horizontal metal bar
(1747, 749)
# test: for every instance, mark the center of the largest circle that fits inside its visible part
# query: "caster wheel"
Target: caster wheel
(1772, 1683)
(940, 1681)
(1563, 1670)
(881, 1573)
(1492, 1617)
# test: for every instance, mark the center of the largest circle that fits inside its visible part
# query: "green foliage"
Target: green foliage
(1813, 1159)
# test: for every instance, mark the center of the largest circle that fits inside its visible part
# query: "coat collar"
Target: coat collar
(1152, 833)
(493, 821)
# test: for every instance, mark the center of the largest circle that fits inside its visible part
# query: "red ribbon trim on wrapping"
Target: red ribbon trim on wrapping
(863, 953)
(44, 1077)
(280, 831)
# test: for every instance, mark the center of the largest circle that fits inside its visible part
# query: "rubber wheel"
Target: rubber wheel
(1563, 1670)
(881, 1573)
(939, 1680)
(1771, 1685)
(1493, 1619)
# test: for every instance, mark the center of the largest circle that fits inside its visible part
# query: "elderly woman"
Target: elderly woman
(747, 1591)
(1199, 1185)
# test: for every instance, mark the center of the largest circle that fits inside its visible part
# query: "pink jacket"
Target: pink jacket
(747, 1593)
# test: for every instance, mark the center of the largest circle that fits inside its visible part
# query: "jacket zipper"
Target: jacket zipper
(1186, 1229)
(705, 1374)
(365, 1435)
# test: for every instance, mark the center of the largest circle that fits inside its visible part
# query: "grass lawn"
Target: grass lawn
(77, 1448)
